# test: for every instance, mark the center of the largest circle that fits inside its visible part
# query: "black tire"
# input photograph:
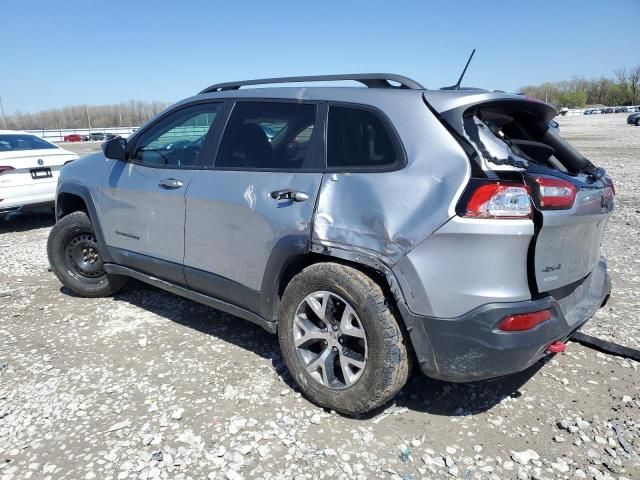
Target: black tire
(387, 364)
(67, 237)
(637, 122)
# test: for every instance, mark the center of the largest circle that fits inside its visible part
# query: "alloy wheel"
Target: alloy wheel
(330, 340)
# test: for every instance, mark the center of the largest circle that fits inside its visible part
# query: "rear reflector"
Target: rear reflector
(5, 169)
(499, 200)
(557, 347)
(556, 193)
(524, 321)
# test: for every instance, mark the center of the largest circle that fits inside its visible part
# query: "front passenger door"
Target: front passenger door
(143, 201)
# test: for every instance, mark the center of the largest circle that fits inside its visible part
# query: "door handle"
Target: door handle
(289, 195)
(170, 183)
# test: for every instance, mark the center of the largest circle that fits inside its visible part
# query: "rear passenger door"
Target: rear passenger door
(253, 211)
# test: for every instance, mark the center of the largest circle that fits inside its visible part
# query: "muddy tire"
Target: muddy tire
(340, 339)
(74, 258)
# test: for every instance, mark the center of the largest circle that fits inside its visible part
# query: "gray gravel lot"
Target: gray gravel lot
(148, 385)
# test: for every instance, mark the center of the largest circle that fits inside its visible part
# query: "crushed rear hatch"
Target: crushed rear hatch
(572, 199)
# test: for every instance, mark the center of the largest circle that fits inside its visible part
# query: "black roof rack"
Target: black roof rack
(371, 80)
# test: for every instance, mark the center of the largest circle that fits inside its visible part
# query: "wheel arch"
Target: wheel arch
(379, 273)
(67, 203)
(72, 197)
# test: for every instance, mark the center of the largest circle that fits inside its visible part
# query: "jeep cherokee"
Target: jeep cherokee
(370, 228)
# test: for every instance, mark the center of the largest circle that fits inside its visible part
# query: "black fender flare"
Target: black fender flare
(83, 192)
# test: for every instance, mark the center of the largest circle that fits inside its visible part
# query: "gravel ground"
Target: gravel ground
(148, 385)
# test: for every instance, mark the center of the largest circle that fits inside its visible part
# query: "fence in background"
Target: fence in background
(580, 111)
(59, 134)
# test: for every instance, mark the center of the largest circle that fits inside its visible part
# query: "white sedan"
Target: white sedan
(29, 169)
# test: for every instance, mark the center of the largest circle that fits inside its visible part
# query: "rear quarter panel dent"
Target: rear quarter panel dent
(387, 214)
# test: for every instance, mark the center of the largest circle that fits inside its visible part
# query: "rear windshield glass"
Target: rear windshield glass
(492, 143)
(13, 142)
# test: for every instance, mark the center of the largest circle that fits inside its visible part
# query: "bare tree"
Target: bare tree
(128, 114)
(623, 81)
(634, 84)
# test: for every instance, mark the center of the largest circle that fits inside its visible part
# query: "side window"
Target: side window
(358, 138)
(268, 135)
(177, 139)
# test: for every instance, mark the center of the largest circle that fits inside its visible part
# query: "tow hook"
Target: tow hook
(557, 347)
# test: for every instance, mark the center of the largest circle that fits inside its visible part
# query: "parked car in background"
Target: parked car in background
(607, 110)
(621, 110)
(109, 136)
(29, 169)
(596, 111)
(97, 136)
(587, 112)
(74, 137)
(634, 119)
(370, 228)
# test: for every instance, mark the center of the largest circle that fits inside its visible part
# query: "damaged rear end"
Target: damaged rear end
(519, 268)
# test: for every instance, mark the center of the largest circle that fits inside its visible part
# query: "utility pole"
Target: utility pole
(86, 109)
(4, 118)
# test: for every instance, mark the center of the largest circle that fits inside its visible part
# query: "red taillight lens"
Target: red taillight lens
(5, 169)
(499, 200)
(524, 321)
(556, 193)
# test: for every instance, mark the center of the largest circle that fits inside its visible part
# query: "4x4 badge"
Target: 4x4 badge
(552, 268)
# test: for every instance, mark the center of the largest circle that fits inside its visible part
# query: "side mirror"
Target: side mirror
(115, 148)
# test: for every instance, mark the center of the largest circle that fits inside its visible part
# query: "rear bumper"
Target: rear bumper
(16, 199)
(470, 347)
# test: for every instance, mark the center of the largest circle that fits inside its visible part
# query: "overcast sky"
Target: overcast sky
(56, 53)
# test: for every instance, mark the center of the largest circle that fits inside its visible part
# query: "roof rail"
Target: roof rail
(371, 80)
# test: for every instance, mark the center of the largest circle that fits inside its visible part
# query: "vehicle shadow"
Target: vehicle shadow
(421, 394)
(27, 220)
(207, 320)
(424, 394)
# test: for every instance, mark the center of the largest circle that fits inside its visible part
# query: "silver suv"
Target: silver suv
(370, 228)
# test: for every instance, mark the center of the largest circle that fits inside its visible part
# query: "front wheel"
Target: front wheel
(340, 339)
(637, 122)
(75, 258)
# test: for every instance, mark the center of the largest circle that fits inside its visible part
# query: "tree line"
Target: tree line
(621, 89)
(125, 114)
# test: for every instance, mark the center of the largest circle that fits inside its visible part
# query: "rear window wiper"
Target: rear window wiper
(597, 173)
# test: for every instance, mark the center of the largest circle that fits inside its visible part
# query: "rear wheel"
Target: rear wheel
(340, 339)
(75, 258)
(637, 122)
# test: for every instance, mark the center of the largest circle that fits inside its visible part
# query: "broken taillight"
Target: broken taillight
(609, 181)
(499, 200)
(555, 193)
(524, 321)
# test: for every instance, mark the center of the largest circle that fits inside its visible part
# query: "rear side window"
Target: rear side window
(358, 139)
(268, 135)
